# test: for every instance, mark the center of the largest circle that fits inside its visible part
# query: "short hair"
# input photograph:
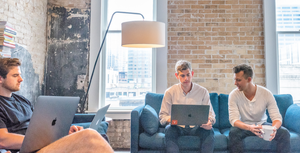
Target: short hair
(6, 64)
(248, 72)
(183, 65)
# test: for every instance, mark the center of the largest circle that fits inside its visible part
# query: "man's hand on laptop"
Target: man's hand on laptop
(207, 126)
(74, 129)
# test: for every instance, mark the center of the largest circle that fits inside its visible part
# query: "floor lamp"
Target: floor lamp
(135, 34)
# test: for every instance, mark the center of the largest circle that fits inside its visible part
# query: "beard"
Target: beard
(10, 87)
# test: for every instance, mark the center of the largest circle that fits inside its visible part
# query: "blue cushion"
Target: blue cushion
(221, 141)
(214, 99)
(149, 120)
(224, 116)
(295, 141)
(155, 141)
(283, 102)
(292, 118)
(154, 100)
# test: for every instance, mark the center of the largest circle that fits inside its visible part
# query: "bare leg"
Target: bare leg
(86, 141)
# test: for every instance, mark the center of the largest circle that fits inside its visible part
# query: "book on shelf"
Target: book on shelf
(5, 54)
(4, 48)
(9, 45)
(5, 23)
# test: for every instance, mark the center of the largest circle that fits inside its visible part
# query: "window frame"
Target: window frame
(96, 36)
(271, 38)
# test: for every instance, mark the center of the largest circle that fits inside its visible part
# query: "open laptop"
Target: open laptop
(99, 117)
(189, 114)
(51, 120)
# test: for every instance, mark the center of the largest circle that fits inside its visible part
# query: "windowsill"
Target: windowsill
(116, 114)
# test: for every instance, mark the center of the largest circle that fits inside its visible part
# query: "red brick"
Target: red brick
(211, 6)
(190, 2)
(204, 47)
(184, 52)
(245, 1)
(212, 61)
(211, 15)
(232, 38)
(204, 56)
(184, 7)
(225, 51)
(204, 28)
(211, 42)
(218, 11)
(218, 56)
(204, 2)
(198, 52)
(218, 20)
(190, 48)
(218, 38)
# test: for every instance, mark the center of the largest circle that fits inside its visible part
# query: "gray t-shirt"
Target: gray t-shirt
(15, 113)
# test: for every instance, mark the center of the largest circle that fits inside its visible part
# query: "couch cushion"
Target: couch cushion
(149, 120)
(224, 116)
(214, 99)
(295, 141)
(292, 116)
(283, 102)
(154, 100)
(155, 141)
(221, 141)
(254, 143)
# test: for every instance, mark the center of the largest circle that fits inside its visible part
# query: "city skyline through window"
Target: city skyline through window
(128, 71)
(288, 43)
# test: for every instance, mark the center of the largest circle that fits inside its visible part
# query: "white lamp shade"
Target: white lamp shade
(143, 34)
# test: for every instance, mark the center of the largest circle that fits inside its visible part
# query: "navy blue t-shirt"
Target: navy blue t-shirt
(15, 113)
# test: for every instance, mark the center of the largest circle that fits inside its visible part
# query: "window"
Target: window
(288, 47)
(119, 61)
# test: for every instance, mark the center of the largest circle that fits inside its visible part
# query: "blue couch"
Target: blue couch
(146, 138)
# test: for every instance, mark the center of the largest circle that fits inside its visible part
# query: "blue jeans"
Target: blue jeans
(172, 132)
(236, 136)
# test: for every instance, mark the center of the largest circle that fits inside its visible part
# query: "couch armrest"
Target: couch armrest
(83, 118)
(291, 119)
(135, 128)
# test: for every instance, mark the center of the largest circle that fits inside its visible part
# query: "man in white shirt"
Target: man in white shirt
(186, 92)
(247, 112)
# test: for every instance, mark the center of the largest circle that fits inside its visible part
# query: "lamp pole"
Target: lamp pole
(83, 100)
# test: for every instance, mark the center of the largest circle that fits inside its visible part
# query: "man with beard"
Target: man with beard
(16, 111)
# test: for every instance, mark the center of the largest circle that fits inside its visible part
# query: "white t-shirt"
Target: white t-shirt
(254, 111)
(175, 95)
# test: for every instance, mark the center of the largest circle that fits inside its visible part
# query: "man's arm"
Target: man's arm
(10, 140)
(164, 114)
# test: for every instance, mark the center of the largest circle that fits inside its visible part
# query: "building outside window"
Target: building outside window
(127, 70)
(288, 47)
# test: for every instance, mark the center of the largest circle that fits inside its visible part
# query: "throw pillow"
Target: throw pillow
(149, 120)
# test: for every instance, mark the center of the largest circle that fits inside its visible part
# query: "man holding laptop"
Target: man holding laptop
(16, 111)
(247, 112)
(186, 93)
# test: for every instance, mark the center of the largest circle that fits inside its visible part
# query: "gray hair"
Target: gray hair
(248, 72)
(182, 65)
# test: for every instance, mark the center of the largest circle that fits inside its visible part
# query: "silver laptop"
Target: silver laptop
(51, 120)
(99, 117)
(189, 114)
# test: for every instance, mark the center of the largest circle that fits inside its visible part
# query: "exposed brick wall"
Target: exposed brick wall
(29, 20)
(119, 134)
(216, 35)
